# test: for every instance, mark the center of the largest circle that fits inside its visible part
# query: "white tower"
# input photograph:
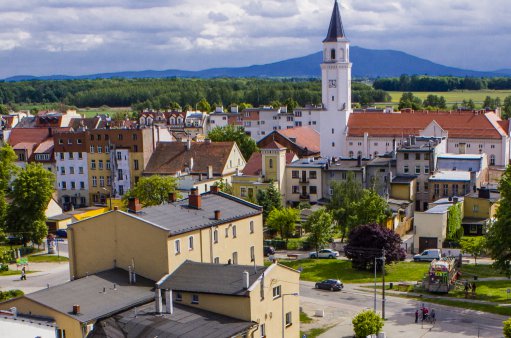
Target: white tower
(336, 88)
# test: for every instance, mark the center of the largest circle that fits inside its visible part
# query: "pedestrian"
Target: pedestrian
(466, 289)
(417, 316)
(433, 316)
(23, 274)
(473, 290)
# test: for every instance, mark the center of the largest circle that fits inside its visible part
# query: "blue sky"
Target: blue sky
(43, 37)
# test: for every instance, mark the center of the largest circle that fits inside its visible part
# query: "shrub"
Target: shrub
(366, 323)
(6, 295)
(507, 328)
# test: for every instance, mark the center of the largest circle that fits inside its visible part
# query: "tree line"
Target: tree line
(425, 83)
(173, 92)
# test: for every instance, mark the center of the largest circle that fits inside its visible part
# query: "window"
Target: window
(177, 246)
(100, 149)
(215, 236)
(270, 163)
(61, 156)
(195, 299)
(446, 189)
(99, 137)
(226, 232)
(332, 130)
(79, 141)
(107, 149)
(190, 239)
(276, 292)
(492, 159)
(455, 190)
(82, 185)
(92, 149)
(71, 156)
(93, 164)
(313, 189)
(234, 231)
(100, 164)
(288, 319)
(475, 208)
(492, 146)
(437, 189)
(94, 181)
(480, 146)
(234, 258)
(426, 156)
(135, 148)
(108, 180)
(119, 156)
(135, 164)
(61, 141)
(243, 192)
(80, 170)
(73, 185)
(426, 186)
(179, 296)
(134, 136)
(417, 156)
(216, 260)
(101, 181)
(406, 156)
(71, 170)
(332, 54)
(375, 144)
(296, 189)
(62, 170)
(426, 169)
(119, 137)
(80, 156)
(351, 154)
(64, 185)
(119, 174)
(312, 174)
(252, 253)
(405, 169)
(295, 174)
(108, 164)
(262, 330)
(417, 169)
(251, 227)
(418, 186)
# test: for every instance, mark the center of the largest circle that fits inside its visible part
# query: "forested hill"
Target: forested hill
(367, 63)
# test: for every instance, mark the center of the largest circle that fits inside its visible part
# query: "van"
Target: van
(428, 255)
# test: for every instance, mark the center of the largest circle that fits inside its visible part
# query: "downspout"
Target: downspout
(71, 245)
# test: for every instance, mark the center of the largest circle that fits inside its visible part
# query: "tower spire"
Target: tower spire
(335, 30)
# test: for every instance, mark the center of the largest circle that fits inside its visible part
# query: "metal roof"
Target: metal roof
(335, 30)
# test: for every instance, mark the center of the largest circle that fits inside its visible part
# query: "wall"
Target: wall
(232, 306)
(26, 306)
(430, 225)
(485, 208)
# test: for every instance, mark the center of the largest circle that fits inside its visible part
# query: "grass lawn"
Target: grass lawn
(451, 97)
(46, 259)
(14, 272)
(479, 270)
(304, 319)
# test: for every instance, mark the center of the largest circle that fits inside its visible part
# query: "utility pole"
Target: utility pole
(383, 285)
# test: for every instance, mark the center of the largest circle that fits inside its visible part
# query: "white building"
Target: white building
(72, 179)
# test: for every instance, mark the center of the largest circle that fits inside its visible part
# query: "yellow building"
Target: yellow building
(479, 208)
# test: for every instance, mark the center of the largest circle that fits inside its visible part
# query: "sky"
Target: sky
(76, 37)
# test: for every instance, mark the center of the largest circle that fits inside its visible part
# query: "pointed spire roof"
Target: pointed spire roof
(335, 30)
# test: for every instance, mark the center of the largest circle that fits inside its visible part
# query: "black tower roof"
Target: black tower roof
(335, 30)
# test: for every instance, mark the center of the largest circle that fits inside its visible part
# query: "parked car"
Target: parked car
(330, 284)
(428, 255)
(324, 253)
(268, 250)
(61, 233)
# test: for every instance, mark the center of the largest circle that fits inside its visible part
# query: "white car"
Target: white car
(324, 253)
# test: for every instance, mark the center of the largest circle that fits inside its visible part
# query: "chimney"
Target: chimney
(246, 281)
(133, 205)
(194, 199)
(210, 171)
(215, 189)
(172, 197)
(76, 309)
(218, 214)
(188, 144)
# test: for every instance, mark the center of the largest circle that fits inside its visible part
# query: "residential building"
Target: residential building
(380, 171)
(338, 170)
(401, 201)
(450, 183)
(474, 163)
(302, 141)
(479, 209)
(304, 181)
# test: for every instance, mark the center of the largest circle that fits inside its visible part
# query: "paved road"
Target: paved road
(48, 274)
(340, 307)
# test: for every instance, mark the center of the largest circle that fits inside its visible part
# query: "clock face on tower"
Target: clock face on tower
(332, 83)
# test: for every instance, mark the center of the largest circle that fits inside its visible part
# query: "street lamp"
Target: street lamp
(382, 258)
(283, 315)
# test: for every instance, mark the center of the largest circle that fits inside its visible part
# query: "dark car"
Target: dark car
(61, 233)
(268, 250)
(330, 284)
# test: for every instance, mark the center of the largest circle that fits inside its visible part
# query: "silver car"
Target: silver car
(324, 253)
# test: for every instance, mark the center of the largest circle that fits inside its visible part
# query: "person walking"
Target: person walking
(474, 290)
(416, 316)
(433, 316)
(23, 274)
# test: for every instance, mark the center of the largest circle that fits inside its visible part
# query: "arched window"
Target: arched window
(492, 159)
(332, 54)
(351, 154)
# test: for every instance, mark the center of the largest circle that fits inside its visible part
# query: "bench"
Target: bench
(292, 256)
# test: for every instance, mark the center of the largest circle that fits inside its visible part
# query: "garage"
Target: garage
(428, 243)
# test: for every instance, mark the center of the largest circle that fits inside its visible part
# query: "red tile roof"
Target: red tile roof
(457, 124)
(28, 135)
(304, 137)
(273, 145)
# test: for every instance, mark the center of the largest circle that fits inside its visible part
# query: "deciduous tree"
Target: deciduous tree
(32, 191)
(246, 144)
(320, 227)
(269, 199)
(408, 100)
(152, 190)
(476, 246)
(284, 221)
(367, 323)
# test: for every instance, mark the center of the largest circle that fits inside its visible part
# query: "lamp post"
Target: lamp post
(283, 315)
(383, 262)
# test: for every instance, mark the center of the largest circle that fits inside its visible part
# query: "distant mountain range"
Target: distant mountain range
(367, 63)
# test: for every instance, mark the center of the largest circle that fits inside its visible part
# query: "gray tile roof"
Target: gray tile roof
(88, 293)
(211, 278)
(178, 217)
(184, 322)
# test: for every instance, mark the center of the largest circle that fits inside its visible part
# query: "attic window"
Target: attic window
(293, 139)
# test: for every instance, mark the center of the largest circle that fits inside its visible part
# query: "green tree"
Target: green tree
(246, 144)
(371, 208)
(8, 166)
(476, 246)
(204, 106)
(291, 104)
(367, 323)
(499, 233)
(4, 110)
(284, 221)
(454, 227)
(507, 328)
(269, 199)
(32, 191)
(506, 109)
(343, 204)
(320, 226)
(152, 190)
(408, 100)
(224, 186)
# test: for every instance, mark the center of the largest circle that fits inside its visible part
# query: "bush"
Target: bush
(6, 295)
(4, 267)
(507, 328)
(366, 323)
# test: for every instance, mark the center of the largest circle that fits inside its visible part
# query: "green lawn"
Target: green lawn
(13, 272)
(451, 97)
(319, 269)
(304, 319)
(479, 270)
(315, 332)
(46, 259)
